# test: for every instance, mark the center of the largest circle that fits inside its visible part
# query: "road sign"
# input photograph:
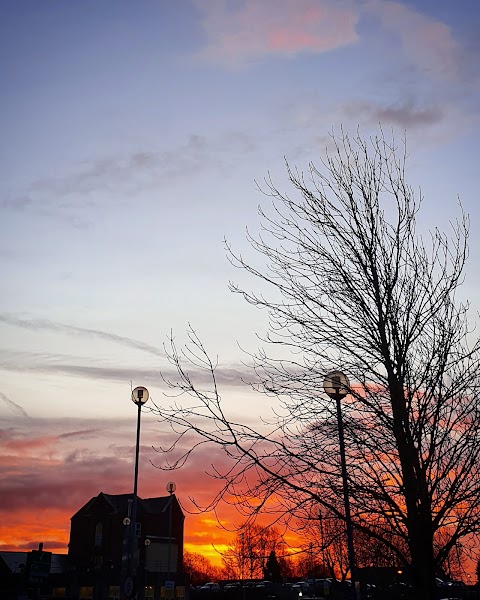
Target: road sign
(38, 565)
(129, 587)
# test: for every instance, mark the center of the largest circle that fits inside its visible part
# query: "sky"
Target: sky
(132, 134)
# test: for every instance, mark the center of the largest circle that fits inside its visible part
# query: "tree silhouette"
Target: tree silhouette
(272, 570)
(348, 283)
(248, 553)
(199, 568)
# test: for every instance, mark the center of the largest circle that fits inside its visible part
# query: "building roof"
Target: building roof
(119, 504)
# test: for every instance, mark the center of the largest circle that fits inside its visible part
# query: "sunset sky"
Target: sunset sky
(132, 134)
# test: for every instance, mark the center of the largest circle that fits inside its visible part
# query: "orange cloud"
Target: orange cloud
(24, 529)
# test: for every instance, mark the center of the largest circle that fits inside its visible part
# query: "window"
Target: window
(114, 592)
(138, 529)
(86, 593)
(149, 592)
(98, 534)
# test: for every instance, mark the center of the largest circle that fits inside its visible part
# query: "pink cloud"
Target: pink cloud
(281, 28)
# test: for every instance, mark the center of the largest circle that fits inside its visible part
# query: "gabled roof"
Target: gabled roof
(118, 503)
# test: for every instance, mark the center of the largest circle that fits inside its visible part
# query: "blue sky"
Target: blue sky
(132, 133)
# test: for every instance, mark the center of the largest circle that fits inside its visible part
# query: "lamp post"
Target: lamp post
(336, 385)
(171, 487)
(140, 396)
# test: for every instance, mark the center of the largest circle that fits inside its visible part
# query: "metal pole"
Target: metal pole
(133, 525)
(348, 518)
(135, 480)
(130, 558)
(170, 536)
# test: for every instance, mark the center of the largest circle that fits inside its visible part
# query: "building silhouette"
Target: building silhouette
(97, 532)
(94, 568)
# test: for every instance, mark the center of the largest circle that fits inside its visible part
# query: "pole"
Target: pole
(130, 558)
(135, 479)
(170, 536)
(348, 518)
(133, 525)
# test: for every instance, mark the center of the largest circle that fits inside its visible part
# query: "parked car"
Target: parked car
(264, 585)
(232, 586)
(301, 588)
(211, 586)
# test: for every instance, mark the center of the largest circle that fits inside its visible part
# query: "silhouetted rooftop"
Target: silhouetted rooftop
(119, 504)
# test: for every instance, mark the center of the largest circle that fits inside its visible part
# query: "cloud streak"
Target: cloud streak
(55, 327)
(405, 114)
(229, 375)
(13, 406)
(72, 196)
(53, 364)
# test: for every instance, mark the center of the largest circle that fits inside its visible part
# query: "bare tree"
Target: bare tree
(247, 555)
(349, 283)
(199, 568)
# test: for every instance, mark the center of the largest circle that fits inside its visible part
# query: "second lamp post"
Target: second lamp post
(337, 386)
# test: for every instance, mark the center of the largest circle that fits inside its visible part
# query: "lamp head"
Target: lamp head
(336, 384)
(140, 395)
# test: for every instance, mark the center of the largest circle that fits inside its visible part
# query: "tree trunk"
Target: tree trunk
(420, 534)
(422, 570)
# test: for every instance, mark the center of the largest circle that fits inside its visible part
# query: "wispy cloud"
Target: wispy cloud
(59, 365)
(405, 114)
(13, 406)
(72, 196)
(55, 327)
(427, 42)
(229, 376)
(129, 172)
(241, 33)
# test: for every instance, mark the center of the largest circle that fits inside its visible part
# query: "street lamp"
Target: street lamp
(140, 396)
(337, 386)
(171, 487)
